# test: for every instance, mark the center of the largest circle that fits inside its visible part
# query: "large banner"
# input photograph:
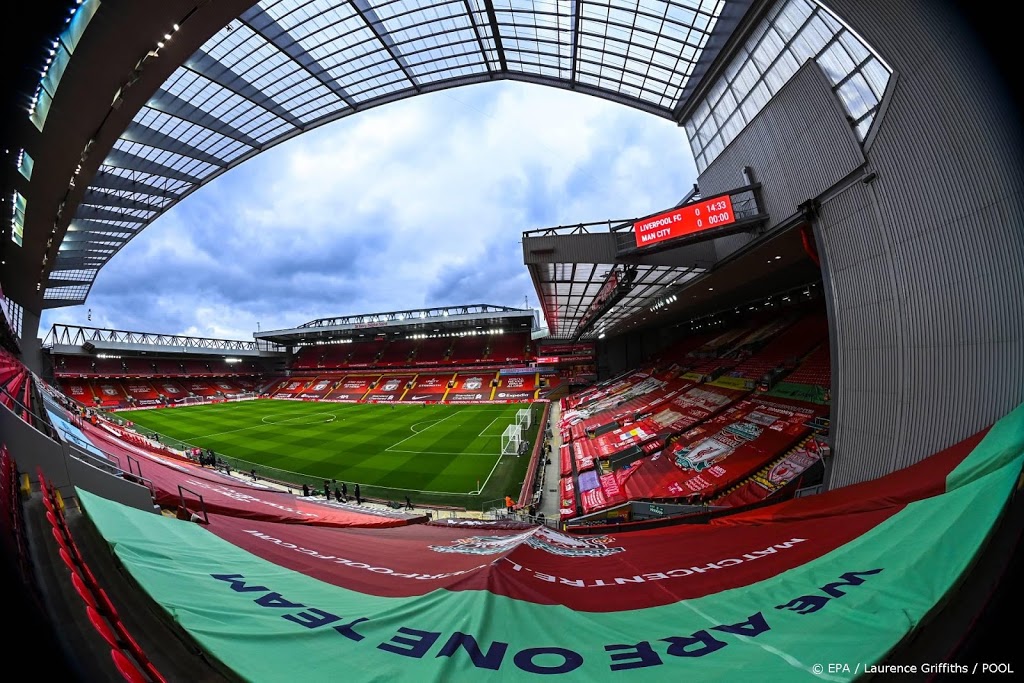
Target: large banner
(353, 387)
(428, 388)
(472, 386)
(779, 592)
(389, 388)
(716, 455)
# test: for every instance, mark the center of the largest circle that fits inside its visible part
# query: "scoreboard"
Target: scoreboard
(697, 217)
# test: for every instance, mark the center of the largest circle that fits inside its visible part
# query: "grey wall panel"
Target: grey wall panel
(926, 263)
(924, 266)
(798, 146)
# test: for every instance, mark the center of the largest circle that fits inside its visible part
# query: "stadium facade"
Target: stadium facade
(900, 148)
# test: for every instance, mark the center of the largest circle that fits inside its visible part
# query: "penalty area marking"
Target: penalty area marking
(489, 425)
(425, 422)
(436, 422)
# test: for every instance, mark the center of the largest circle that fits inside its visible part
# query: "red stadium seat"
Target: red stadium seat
(83, 590)
(68, 560)
(102, 627)
(129, 671)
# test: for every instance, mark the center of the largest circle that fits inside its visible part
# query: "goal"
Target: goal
(510, 440)
(524, 418)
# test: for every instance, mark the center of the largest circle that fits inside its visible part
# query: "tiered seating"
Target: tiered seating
(432, 351)
(709, 459)
(292, 387)
(389, 388)
(509, 348)
(168, 388)
(785, 349)
(698, 368)
(334, 356)
(775, 479)
(516, 387)
(429, 387)
(64, 366)
(128, 656)
(141, 390)
(353, 387)
(468, 349)
(107, 367)
(709, 430)
(308, 357)
(397, 353)
(16, 385)
(320, 387)
(362, 355)
(78, 390)
(816, 369)
(196, 367)
(243, 383)
(198, 387)
(471, 386)
(138, 367)
(169, 367)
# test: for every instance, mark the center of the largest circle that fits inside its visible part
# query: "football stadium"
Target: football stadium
(771, 430)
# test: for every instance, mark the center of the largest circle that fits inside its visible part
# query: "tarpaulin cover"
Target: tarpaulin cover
(389, 388)
(716, 455)
(428, 388)
(764, 484)
(567, 498)
(840, 577)
(353, 387)
(565, 459)
(587, 481)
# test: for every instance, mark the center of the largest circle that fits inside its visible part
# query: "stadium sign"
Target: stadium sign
(693, 218)
(517, 371)
(513, 395)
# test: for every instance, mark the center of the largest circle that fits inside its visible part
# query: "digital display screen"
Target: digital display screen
(706, 214)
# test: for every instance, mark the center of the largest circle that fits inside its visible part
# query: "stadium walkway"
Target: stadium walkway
(549, 503)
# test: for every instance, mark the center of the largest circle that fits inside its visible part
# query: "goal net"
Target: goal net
(510, 440)
(524, 418)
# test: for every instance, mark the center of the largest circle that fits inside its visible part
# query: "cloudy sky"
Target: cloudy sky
(419, 203)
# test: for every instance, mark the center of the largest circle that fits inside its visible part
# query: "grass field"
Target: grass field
(436, 453)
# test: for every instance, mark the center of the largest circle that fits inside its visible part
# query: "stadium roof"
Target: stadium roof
(75, 339)
(593, 280)
(282, 67)
(471, 317)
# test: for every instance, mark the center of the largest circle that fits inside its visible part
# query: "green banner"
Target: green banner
(831, 618)
(800, 392)
(733, 383)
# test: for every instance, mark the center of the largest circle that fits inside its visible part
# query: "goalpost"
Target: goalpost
(524, 418)
(510, 440)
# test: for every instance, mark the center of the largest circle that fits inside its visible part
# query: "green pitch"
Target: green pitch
(441, 449)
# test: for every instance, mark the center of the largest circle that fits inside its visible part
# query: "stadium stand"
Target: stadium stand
(687, 432)
(511, 348)
(362, 355)
(389, 388)
(397, 353)
(353, 387)
(814, 370)
(468, 350)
